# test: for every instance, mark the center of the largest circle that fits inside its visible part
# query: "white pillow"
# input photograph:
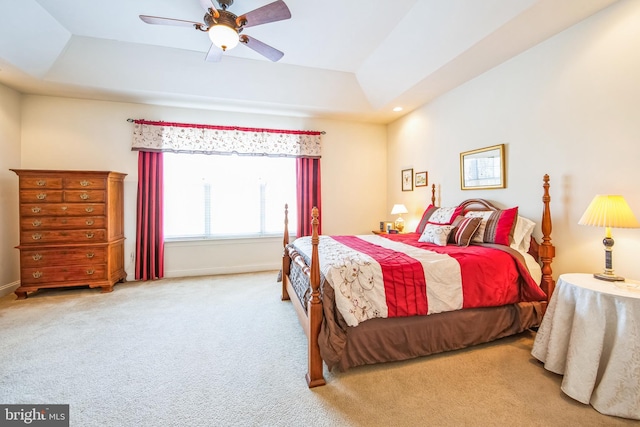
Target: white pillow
(522, 234)
(435, 233)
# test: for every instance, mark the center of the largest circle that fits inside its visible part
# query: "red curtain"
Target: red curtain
(149, 223)
(308, 193)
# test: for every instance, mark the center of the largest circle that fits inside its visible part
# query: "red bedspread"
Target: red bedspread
(398, 276)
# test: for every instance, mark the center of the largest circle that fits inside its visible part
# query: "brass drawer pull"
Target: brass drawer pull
(37, 223)
(89, 235)
(36, 236)
(41, 196)
(36, 210)
(84, 183)
(90, 272)
(89, 209)
(41, 183)
(37, 257)
(64, 208)
(90, 255)
(84, 196)
(37, 274)
(89, 222)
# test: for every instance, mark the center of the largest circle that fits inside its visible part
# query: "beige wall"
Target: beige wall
(60, 133)
(9, 158)
(569, 107)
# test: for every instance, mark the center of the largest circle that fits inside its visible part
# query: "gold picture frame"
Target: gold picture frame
(483, 168)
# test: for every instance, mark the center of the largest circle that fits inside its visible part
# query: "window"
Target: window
(209, 196)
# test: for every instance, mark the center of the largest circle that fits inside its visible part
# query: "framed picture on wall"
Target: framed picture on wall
(407, 180)
(482, 168)
(421, 179)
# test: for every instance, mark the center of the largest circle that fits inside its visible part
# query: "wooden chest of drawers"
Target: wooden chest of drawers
(71, 229)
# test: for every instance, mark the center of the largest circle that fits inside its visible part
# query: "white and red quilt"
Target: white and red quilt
(393, 276)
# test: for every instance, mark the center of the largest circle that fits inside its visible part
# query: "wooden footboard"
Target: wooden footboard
(311, 318)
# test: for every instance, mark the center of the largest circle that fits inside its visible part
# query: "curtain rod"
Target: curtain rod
(134, 120)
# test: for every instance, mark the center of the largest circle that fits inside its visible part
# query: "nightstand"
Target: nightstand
(590, 334)
(378, 232)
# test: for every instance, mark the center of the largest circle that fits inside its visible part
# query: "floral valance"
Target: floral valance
(208, 139)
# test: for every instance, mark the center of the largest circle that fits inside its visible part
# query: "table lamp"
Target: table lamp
(399, 210)
(609, 211)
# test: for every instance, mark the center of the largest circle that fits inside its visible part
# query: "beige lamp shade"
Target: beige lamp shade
(398, 210)
(609, 211)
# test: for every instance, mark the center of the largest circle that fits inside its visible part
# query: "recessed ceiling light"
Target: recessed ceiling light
(397, 109)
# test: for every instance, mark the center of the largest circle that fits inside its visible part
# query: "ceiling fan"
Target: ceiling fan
(224, 27)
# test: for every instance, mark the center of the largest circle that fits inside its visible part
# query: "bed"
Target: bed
(382, 298)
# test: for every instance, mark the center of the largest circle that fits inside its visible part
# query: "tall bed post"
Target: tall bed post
(286, 260)
(546, 251)
(433, 194)
(314, 309)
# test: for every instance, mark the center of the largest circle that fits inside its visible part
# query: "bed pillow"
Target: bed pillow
(436, 233)
(438, 216)
(463, 230)
(496, 226)
(522, 232)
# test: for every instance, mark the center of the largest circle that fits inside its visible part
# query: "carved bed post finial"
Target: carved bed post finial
(286, 260)
(433, 194)
(314, 309)
(547, 250)
(286, 224)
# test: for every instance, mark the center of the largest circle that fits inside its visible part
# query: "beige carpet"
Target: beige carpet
(225, 351)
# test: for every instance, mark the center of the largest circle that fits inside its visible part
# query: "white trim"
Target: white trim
(9, 288)
(222, 241)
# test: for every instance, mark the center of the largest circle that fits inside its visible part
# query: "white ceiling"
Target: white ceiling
(352, 59)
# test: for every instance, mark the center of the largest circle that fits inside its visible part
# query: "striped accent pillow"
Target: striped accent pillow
(463, 232)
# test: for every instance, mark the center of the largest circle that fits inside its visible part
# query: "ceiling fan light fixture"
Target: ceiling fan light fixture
(223, 36)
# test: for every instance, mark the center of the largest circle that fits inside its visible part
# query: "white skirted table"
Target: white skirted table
(591, 335)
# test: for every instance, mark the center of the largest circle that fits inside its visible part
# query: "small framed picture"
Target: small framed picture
(421, 179)
(407, 180)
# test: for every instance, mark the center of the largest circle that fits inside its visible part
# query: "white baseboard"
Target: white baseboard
(8, 288)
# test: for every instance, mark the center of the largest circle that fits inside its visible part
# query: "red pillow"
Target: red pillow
(497, 226)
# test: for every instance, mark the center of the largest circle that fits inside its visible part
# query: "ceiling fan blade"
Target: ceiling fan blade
(156, 20)
(207, 4)
(210, 7)
(214, 54)
(263, 49)
(276, 11)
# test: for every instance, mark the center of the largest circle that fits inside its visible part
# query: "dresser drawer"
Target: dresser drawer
(52, 257)
(62, 222)
(47, 182)
(73, 273)
(87, 183)
(78, 196)
(62, 236)
(42, 196)
(71, 209)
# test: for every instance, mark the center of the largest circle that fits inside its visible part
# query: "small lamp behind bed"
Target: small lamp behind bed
(399, 210)
(609, 211)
